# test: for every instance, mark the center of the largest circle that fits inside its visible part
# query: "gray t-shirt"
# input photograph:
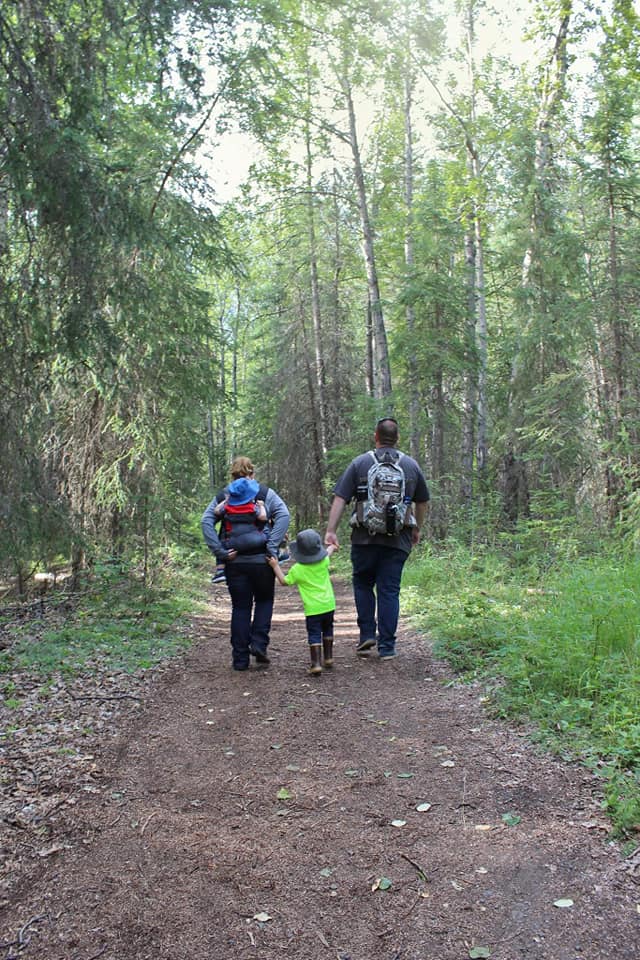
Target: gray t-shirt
(356, 475)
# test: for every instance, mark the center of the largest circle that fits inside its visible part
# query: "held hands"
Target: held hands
(331, 540)
(272, 561)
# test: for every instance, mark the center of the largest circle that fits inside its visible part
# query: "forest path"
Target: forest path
(249, 815)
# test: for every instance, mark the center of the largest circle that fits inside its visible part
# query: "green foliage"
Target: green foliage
(560, 648)
(106, 237)
(119, 622)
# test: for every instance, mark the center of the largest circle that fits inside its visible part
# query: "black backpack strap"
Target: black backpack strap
(361, 480)
(262, 492)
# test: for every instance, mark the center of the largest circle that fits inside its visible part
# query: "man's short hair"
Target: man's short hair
(387, 430)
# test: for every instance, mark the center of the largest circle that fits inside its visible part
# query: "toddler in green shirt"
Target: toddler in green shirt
(310, 573)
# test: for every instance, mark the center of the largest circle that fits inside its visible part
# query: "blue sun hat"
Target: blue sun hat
(307, 547)
(243, 490)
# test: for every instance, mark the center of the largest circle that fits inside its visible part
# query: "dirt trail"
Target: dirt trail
(233, 798)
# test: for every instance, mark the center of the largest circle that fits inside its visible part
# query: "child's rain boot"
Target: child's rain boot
(327, 649)
(315, 649)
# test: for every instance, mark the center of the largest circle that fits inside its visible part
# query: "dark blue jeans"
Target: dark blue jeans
(377, 571)
(251, 587)
(319, 625)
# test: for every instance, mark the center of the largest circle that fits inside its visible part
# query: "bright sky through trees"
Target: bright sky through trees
(499, 32)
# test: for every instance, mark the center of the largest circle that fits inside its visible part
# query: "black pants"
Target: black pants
(251, 587)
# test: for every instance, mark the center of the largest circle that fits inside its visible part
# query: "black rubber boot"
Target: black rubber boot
(315, 649)
(327, 650)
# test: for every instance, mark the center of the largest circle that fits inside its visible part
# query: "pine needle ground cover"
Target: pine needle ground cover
(561, 649)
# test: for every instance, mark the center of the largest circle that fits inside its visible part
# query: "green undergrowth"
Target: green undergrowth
(115, 623)
(559, 648)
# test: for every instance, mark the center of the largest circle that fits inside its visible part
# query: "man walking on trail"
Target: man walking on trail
(248, 542)
(391, 500)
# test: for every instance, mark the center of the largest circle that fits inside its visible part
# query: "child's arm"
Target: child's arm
(220, 508)
(275, 566)
(332, 549)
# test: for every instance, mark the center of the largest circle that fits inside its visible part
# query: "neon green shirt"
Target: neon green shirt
(314, 584)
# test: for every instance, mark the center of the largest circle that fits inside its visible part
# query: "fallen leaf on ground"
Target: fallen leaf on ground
(564, 903)
(261, 917)
(383, 883)
(423, 807)
(511, 819)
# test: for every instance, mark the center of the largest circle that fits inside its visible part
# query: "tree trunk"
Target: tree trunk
(551, 95)
(315, 299)
(316, 446)
(370, 364)
(515, 489)
(481, 337)
(477, 327)
(210, 451)
(469, 395)
(414, 404)
(382, 372)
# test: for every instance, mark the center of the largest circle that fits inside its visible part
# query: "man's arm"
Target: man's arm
(335, 513)
(420, 509)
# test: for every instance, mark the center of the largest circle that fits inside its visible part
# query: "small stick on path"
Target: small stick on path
(147, 821)
(416, 866)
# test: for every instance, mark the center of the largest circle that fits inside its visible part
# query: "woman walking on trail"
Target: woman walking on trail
(310, 573)
(241, 467)
(245, 542)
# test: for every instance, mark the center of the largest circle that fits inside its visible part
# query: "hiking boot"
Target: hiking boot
(327, 652)
(387, 655)
(315, 649)
(365, 645)
(260, 655)
(219, 577)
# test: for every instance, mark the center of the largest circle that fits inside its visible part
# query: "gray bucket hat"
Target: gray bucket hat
(308, 547)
